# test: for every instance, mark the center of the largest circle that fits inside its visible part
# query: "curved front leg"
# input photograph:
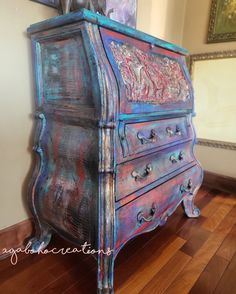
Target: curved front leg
(188, 203)
(42, 237)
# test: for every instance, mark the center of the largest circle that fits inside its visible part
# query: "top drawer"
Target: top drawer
(140, 137)
(150, 78)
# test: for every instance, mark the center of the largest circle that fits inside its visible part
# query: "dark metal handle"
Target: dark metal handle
(137, 176)
(181, 156)
(142, 219)
(172, 133)
(145, 140)
(178, 131)
(175, 159)
(187, 188)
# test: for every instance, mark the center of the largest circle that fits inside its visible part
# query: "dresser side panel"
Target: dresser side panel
(66, 189)
(61, 67)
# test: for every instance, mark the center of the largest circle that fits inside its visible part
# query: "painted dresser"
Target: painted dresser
(114, 135)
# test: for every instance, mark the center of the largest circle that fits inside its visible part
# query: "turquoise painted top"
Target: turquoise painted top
(103, 21)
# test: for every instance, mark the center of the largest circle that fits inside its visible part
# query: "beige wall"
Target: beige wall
(16, 105)
(162, 18)
(196, 28)
(194, 39)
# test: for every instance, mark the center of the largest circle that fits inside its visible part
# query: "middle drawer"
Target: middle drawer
(136, 174)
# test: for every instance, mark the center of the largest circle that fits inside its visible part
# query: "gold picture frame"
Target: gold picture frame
(222, 26)
(213, 56)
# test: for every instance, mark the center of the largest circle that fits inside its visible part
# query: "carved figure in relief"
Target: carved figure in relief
(150, 77)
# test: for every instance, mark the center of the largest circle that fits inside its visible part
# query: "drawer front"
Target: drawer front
(155, 206)
(140, 137)
(150, 78)
(136, 174)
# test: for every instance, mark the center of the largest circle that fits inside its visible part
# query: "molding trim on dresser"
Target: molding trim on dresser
(15, 236)
(212, 56)
(126, 171)
(219, 182)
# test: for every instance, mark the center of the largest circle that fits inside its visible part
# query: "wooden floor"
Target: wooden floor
(184, 256)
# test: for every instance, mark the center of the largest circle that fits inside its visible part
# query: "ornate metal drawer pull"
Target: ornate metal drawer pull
(173, 159)
(178, 131)
(142, 219)
(187, 188)
(137, 176)
(181, 155)
(170, 132)
(151, 139)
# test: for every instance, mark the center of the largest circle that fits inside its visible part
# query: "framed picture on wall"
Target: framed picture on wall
(213, 76)
(222, 27)
(123, 11)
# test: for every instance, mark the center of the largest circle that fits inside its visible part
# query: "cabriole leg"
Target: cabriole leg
(42, 237)
(105, 274)
(188, 204)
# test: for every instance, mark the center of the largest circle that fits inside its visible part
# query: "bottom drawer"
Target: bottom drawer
(151, 209)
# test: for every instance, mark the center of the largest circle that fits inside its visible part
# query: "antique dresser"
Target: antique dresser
(114, 135)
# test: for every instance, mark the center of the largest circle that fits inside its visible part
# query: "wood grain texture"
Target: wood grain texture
(227, 283)
(195, 242)
(210, 277)
(161, 281)
(187, 278)
(150, 267)
(228, 247)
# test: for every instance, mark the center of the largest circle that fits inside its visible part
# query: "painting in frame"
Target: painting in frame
(123, 11)
(215, 102)
(222, 27)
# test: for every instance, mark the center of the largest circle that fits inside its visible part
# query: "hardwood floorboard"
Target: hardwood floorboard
(228, 247)
(210, 277)
(227, 284)
(150, 267)
(190, 227)
(161, 281)
(187, 278)
(195, 242)
(216, 218)
(184, 256)
(213, 205)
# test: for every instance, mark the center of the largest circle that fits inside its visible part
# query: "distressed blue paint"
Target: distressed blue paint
(89, 16)
(86, 141)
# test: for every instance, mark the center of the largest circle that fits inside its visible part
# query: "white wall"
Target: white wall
(16, 100)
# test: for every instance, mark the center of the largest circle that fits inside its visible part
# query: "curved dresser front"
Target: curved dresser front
(114, 135)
